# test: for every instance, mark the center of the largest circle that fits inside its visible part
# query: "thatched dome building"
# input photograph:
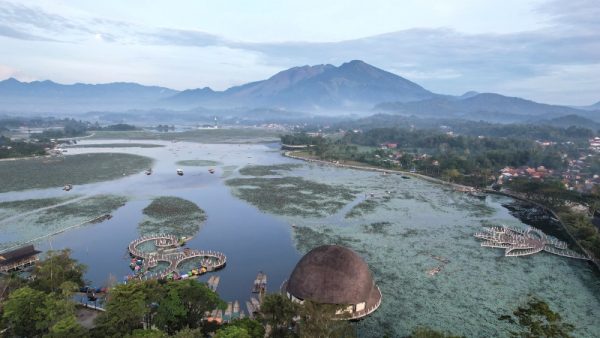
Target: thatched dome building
(332, 274)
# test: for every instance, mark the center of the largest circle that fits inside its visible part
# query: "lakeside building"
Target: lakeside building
(18, 258)
(332, 274)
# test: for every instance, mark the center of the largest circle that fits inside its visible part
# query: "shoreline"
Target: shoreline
(455, 186)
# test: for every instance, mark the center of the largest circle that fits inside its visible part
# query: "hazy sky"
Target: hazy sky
(545, 50)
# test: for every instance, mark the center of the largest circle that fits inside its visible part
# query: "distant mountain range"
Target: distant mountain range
(48, 96)
(485, 106)
(353, 87)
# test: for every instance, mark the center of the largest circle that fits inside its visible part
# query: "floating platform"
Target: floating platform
(518, 242)
(168, 249)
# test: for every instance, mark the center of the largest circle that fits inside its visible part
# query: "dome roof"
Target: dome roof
(332, 274)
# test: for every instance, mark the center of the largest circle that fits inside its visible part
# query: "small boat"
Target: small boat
(68, 187)
(405, 177)
(211, 170)
(149, 171)
(180, 172)
(478, 194)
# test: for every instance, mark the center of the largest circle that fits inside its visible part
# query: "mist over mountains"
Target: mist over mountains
(354, 87)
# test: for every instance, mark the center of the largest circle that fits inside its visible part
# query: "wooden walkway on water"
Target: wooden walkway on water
(167, 252)
(523, 242)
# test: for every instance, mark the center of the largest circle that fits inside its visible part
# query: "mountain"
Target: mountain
(595, 106)
(571, 120)
(47, 96)
(353, 85)
(485, 106)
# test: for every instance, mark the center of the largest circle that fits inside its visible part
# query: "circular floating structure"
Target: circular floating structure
(332, 274)
(168, 250)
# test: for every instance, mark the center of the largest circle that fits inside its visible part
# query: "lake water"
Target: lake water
(419, 224)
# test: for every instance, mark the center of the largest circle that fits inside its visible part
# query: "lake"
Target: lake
(407, 228)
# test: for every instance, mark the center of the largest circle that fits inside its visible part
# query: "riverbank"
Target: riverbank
(457, 187)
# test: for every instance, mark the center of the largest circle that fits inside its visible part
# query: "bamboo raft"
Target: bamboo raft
(260, 283)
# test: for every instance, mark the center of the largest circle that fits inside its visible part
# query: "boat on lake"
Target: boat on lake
(149, 171)
(180, 172)
(68, 187)
(211, 170)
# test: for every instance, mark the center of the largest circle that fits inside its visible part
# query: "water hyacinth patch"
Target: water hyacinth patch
(172, 215)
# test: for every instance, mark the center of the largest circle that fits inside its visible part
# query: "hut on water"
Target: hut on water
(333, 274)
(18, 258)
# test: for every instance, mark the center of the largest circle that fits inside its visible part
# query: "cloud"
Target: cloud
(441, 59)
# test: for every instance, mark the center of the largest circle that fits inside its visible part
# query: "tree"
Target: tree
(170, 315)
(196, 299)
(24, 313)
(188, 333)
(278, 311)
(252, 327)
(317, 321)
(231, 331)
(148, 333)
(29, 312)
(67, 327)
(57, 268)
(125, 311)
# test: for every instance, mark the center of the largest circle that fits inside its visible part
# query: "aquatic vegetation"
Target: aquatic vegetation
(198, 163)
(364, 207)
(38, 173)
(268, 170)
(226, 135)
(172, 215)
(12, 208)
(428, 268)
(41, 223)
(87, 208)
(228, 170)
(536, 319)
(292, 195)
(117, 145)
(377, 228)
(308, 238)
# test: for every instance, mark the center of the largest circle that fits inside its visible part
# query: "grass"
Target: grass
(292, 195)
(172, 215)
(267, 170)
(39, 173)
(117, 145)
(228, 135)
(198, 163)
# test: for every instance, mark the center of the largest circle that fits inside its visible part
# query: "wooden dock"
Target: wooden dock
(260, 283)
(523, 242)
(168, 251)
